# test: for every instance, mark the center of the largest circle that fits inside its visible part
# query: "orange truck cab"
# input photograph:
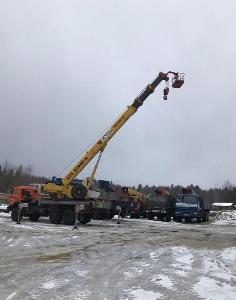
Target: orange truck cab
(22, 194)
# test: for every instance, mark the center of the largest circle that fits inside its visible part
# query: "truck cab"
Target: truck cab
(161, 206)
(28, 195)
(189, 206)
(22, 193)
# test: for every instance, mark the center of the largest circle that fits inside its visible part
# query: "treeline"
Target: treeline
(225, 193)
(11, 175)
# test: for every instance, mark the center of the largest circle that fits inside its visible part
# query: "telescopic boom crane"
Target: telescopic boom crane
(63, 188)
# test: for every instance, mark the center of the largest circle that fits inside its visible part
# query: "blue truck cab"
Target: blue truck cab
(190, 206)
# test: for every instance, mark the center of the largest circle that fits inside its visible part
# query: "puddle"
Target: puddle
(55, 257)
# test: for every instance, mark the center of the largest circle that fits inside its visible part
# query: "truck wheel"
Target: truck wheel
(84, 218)
(111, 214)
(14, 214)
(179, 219)
(205, 218)
(99, 215)
(34, 217)
(55, 216)
(168, 219)
(150, 216)
(68, 216)
(134, 215)
(199, 220)
(79, 192)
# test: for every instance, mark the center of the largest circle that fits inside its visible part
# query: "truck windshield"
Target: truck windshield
(187, 201)
(158, 202)
(16, 192)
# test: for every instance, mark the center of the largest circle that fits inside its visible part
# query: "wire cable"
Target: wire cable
(89, 145)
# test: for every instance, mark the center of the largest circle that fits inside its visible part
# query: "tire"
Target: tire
(111, 214)
(34, 217)
(68, 216)
(100, 215)
(206, 217)
(79, 192)
(179, 220)
(187, 220)
(84, 218)
(150, 216)
(168, 219)
(55, 216)
(14, 214)
(122, 214)
(199, 220)
(134, 215)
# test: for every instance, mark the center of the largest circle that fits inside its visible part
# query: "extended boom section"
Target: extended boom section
(64, 188)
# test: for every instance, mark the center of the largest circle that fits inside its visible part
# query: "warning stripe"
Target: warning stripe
(23, 205)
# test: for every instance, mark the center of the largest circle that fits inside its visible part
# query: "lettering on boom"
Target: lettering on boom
(75, 170)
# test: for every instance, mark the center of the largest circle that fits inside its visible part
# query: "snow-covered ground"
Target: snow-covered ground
(138, 259)
(3, 207)
(224, 217)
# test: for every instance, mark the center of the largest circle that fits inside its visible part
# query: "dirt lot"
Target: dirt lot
(138, 259)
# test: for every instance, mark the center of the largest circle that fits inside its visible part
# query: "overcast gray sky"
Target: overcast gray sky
(68, 68)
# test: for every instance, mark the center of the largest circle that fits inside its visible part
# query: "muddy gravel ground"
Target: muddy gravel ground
(138, 259)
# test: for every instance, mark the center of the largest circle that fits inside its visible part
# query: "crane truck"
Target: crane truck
(67, 198)
(133, 203)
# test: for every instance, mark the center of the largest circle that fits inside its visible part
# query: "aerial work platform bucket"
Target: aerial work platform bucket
(178, 80)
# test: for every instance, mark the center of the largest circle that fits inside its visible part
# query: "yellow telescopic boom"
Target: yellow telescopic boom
(64, 189)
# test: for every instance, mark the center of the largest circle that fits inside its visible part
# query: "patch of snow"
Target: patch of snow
(49, 285)
(24, 226)
(210, 264)
(164, 281)
(129, 275)
(140, 294)
(136, 270)
(153, 256)
(225, 217)
(229, 254)
(82, 295)
(82, 273)
(224, 276)
(11, 296)
(183, 257)
(145, 265)
(176, 265)
(211, 289)
(186, 259)
(181, 273)
(222, 204)
(3, 206)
